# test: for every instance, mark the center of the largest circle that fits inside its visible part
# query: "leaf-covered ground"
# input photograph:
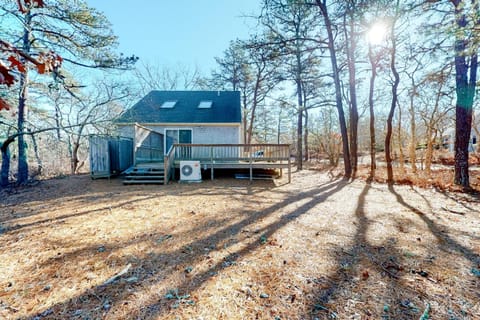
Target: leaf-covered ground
(318, 248)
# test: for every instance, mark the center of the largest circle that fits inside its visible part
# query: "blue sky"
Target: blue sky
(168, 32)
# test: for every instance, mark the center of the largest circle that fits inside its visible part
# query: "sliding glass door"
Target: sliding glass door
(173, 136)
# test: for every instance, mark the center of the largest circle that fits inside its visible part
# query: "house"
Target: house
(196, 117)
(192, 131)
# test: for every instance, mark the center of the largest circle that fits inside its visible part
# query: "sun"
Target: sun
(377, 33)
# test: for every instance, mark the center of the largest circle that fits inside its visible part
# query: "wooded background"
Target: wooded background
(393, 81)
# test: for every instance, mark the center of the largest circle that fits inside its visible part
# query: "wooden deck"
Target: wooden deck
(148, 168)
(230, 156)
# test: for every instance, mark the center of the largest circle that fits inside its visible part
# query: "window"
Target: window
(173, 136)
(205, 104)
(168, 104)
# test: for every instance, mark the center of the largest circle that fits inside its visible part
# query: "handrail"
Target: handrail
(233, 144)
(252, 155)
(232, 152)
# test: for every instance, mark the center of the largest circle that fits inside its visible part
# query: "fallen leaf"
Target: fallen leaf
(365, 275)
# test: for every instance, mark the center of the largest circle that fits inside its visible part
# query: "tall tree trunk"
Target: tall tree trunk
(351, 45)
(413, 131)
(401, 154)
(338, 88)
(252, 113)
(279, 125)
(429, 150)
(431, 131)
(22, 174)
(305, 136)
(373, 64)
(465, 90)
(57, 120)
(37, 155)
(299, 125)
(300, 101)
(244, 118)
(396, 76)
(74, 158)
(5, 170)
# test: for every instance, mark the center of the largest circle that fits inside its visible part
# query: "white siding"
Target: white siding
(200, 134)
(216, 135)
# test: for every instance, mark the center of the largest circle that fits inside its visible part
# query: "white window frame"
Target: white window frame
(205, 104)
(178, 135)
(169, 104)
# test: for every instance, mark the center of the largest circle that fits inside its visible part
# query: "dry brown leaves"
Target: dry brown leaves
(317, 248)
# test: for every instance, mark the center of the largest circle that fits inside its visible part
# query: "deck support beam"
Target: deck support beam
(211, 163)
(289, 169)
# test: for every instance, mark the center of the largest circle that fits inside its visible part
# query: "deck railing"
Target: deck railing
(225, 153)
(236, 156)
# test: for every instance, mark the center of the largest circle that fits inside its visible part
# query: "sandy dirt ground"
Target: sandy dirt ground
(317, 248)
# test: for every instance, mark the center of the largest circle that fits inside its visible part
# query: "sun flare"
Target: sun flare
(377, 33)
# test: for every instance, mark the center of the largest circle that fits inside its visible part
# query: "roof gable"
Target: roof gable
(225, 108)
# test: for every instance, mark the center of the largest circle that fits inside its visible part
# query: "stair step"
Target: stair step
(143, 181)
(145, 176)
(143, 171)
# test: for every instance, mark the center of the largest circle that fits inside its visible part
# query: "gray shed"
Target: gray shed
(109, 155)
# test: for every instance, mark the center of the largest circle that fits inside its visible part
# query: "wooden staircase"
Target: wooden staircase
(148, 173)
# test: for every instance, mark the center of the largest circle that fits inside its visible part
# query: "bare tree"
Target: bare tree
(396, 82)
(83, 37)
(323, 7)
(81, 114)
(374, 60)
(435, 88)
(251, 67)
(293, 28)
(179, 77)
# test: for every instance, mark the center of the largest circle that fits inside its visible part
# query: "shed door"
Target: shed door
(99, 157)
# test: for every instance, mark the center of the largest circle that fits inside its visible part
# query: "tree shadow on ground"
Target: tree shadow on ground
(147, 271)
(361, 269)
(48, 189)
(90, 192)
(56, 219)
(472, 197)
(379, 278)
(444, 239)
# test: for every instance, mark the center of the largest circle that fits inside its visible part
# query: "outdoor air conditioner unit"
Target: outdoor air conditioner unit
(190, 171)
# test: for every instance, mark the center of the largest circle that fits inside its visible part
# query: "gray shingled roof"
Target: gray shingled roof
(225, 108)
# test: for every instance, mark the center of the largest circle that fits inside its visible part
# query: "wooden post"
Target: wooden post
(251, 166)
(289, 169)
(211, 163)
(166, 171)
